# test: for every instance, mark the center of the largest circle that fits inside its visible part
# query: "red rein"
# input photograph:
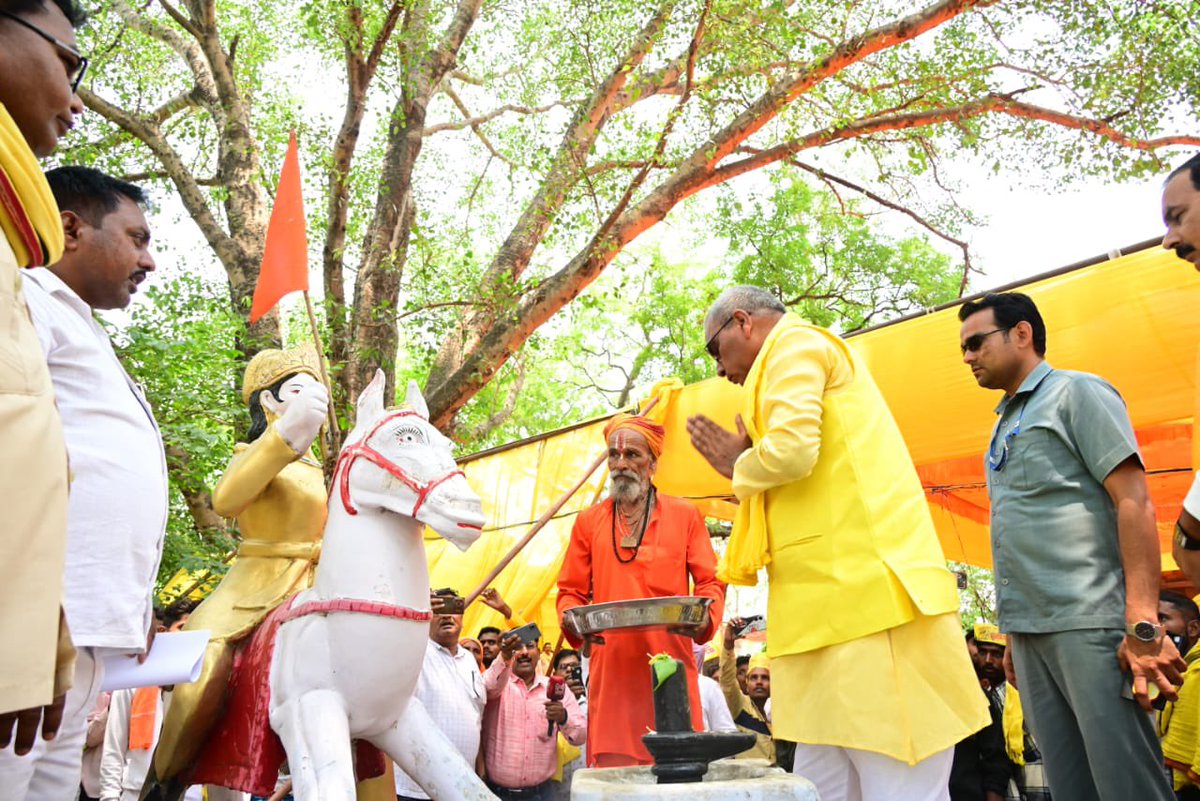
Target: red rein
(363, 449)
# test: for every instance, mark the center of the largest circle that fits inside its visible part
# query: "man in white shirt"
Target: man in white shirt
(712, 698)
(117, 511)
(451, 689)
(129, 741)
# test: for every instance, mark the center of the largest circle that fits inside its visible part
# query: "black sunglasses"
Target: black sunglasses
(76, 73)
(709, 346)
(974, 342)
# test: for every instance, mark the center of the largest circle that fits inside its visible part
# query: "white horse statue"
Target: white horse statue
(347, 652)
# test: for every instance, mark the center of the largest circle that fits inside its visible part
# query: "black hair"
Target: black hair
(743, 660)
(561, 655)
(69, 8)
(1192, 167)
(159, 613)
(258, 417)
(971, 635)
(172, 614)
(488, 630)
(1186, 606)
(90, 193)
(1010, 308)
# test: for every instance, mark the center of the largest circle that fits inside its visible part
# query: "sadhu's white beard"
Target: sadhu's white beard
(628, 487)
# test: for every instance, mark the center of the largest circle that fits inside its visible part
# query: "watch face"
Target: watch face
(1145, 631)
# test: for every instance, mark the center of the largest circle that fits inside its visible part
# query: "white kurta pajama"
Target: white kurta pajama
(116, 520)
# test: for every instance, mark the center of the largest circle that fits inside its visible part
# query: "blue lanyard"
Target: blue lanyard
(997, 461)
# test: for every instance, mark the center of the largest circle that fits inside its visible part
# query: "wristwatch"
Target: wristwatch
(1184, 541)
(1144, 630)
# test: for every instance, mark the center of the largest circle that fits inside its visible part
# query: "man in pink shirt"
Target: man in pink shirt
(520, 724)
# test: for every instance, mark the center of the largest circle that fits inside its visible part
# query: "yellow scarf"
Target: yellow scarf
(567, 754)
(28, 214)
(1013, 723)
(748, 548)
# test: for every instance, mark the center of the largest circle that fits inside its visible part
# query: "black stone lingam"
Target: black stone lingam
(681, 754)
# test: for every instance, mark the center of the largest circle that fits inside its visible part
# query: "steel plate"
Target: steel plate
(646, 613)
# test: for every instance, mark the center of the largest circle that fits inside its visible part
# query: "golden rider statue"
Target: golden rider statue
(276, 491)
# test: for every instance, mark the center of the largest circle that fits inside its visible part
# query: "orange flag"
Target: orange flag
(285, 254)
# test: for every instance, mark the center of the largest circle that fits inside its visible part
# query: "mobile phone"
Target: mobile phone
(576, 674)
(749, 624)
(444, 602)
(529, 633)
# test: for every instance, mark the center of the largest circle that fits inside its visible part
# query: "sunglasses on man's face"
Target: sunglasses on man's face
(973, 343)
(711, 345)
(78, 62)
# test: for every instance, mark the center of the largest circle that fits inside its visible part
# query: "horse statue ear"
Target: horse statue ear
(370, 400)
(415, 400)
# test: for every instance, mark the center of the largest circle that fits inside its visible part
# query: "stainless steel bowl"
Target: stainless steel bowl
(646, 613)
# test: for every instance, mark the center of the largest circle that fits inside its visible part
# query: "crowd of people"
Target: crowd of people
(869, 691)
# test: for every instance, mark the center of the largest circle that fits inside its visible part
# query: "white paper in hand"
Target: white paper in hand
(175, 658)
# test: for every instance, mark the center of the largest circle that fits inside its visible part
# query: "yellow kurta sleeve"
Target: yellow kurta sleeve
(252, 468)
(799, 368)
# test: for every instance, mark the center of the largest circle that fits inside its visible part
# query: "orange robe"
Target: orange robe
(676, 546)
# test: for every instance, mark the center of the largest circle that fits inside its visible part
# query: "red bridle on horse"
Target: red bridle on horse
(363, 449)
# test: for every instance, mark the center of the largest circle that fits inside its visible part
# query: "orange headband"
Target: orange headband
(653, 432)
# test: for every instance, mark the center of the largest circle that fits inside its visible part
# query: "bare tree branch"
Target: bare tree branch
(473, 122)
(190, 192)
(990, 104)
(360, 71)
(968, 268)
(138, 177)
(476, 127)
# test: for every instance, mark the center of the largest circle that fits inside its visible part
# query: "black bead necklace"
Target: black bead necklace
(641, 534)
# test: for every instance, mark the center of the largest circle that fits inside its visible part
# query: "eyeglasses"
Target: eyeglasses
(710, 346)
(974, 342)
(74, 74)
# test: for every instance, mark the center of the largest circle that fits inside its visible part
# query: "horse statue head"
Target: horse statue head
(395, 460)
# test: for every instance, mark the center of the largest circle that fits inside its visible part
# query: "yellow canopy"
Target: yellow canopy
(1132, 320)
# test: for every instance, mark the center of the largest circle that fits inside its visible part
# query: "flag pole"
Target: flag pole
(330, 414)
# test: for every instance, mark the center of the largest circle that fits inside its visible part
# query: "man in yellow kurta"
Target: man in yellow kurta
(37, 105)
(868, 672)
(277, 493)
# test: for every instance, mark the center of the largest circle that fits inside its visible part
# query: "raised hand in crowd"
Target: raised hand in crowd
(509, 645)
(491, 597)
(730, 631)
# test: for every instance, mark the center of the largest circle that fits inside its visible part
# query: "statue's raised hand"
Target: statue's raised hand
(303, 414)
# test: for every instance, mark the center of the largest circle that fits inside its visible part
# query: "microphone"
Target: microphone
(554, 692)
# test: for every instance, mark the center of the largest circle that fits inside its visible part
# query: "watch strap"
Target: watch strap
(1144, 630)
(1184, 541)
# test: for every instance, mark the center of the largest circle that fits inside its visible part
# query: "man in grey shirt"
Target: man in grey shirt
(1077, 562)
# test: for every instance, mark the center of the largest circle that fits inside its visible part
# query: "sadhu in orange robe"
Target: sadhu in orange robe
(674, 547)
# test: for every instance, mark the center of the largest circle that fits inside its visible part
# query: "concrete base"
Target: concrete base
(726, 780)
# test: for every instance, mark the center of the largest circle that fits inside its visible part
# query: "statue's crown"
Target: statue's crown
(268, 366)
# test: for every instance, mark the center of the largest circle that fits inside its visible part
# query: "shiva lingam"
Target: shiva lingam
(680, 753)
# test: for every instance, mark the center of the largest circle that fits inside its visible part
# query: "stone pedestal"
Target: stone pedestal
(726, 780)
